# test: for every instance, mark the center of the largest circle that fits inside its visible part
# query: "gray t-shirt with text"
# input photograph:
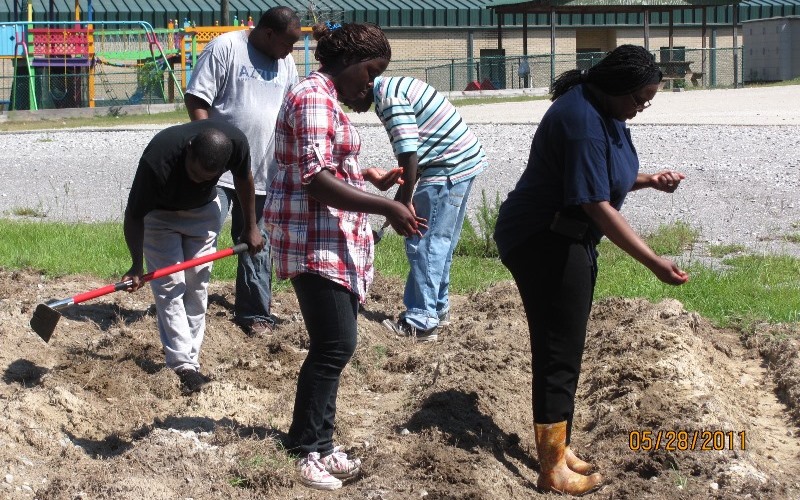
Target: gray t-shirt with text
(245, 88)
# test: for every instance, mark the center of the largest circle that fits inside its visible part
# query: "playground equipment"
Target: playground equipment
(87, 64)
(60, 55)
(151, 53)
(56, 65)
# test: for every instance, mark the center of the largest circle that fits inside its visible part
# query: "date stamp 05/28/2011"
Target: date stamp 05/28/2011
(686, 440)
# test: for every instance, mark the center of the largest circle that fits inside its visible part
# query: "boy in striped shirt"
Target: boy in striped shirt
(441, 157)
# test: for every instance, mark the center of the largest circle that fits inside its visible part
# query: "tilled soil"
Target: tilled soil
(668, 407)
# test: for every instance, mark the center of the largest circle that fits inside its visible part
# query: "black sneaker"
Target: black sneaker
(258, 329)
(191, 380)
(403, 329)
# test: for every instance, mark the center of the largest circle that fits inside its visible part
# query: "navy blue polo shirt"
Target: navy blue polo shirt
(578, 156)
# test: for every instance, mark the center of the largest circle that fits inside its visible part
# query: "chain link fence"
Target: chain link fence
(104, 85)
(76, 65)
(139, 79)
(708, 68)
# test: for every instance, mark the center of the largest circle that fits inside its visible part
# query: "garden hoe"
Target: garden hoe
(46, 316)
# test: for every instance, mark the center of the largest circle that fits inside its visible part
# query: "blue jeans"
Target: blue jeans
(427, 293)
(253, 273)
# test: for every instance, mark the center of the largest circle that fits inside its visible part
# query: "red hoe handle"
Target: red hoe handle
(46, 316)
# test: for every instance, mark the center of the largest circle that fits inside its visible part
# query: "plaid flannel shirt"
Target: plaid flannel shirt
(313, 134)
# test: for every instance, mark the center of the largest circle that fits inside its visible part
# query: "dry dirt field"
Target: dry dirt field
(94, 414)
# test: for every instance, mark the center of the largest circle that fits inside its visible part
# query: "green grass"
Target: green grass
(467, 274)
(722, 250)
(764, 288)
(105, 117)
(113, 117)
(672, 239)
(36, 212)
(254, 471)
(750, 288)
(96, 249)
(784, 83)
(59, 249)
(792, 237)
(478, 242)
(469, 101)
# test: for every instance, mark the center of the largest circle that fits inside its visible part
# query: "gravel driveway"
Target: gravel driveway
(740, 150)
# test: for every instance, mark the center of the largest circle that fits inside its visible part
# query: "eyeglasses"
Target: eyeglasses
(640, 106)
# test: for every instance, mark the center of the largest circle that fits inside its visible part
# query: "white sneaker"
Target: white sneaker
(339, 466)
(313, 473)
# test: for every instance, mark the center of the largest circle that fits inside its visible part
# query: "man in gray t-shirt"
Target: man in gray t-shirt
(241, 78)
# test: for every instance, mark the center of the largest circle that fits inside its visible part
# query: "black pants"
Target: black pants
(555, 276)
(329, 311)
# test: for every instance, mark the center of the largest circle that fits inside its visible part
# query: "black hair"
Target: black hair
(351, 42)
(624, 70)
(213, 149)
(279, 19)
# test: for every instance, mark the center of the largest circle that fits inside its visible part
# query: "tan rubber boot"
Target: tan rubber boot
(575, 464)
(555, 475)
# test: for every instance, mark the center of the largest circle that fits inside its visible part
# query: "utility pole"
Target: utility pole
(224, 13)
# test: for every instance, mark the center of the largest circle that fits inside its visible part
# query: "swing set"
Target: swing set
(59, 64)
(152, 54)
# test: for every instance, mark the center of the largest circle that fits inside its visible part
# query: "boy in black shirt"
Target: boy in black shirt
(172, 216)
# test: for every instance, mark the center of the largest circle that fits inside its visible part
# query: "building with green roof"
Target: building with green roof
(456, 44)
(404, 14)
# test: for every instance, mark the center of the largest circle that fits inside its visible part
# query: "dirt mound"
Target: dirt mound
(668, 405)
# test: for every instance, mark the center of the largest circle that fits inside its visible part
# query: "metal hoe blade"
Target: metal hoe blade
(44, 321)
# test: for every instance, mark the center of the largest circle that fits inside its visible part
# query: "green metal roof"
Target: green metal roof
(631, 12)
(413, 13)
(605, 5)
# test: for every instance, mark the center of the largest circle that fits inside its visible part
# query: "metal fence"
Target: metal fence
(54, 87)
(711, 67)
(47, 65)
(116, 82)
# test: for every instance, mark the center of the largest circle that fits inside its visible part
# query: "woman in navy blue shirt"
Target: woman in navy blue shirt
(582, 164)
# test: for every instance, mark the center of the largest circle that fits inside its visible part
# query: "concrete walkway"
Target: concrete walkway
(749, 106)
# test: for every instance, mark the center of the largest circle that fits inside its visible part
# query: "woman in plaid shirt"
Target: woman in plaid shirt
(316, 214)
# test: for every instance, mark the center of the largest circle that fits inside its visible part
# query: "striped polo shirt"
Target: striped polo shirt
(419, 119)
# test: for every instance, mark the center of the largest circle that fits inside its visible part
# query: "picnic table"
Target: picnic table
(679, 70)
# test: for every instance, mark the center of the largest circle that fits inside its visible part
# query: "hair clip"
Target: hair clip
(332, 26)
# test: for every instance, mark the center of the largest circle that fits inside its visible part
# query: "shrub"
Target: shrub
(479, 242)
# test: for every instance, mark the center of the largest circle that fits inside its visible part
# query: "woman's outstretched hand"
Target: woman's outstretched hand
(666, 180)
(404, 221)
(669, 272)
(382, 179)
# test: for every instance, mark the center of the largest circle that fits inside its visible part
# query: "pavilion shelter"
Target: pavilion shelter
(565, 11)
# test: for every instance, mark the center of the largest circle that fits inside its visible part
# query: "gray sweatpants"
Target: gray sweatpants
(181, 298)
